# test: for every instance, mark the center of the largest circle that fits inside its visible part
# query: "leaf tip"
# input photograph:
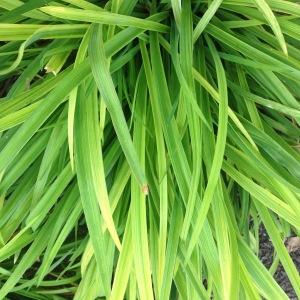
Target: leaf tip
(145, 189)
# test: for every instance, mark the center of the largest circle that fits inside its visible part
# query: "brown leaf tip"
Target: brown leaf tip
(145, 189)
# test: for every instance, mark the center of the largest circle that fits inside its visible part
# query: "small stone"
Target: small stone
(293, 244)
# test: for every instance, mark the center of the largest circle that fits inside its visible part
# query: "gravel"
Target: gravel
(266, 256)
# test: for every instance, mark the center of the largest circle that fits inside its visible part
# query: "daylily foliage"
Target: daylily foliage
(142, 146)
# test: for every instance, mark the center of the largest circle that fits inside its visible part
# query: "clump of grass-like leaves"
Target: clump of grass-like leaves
(143, 144)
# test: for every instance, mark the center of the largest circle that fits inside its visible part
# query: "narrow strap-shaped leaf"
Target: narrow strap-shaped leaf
(51, 102)
(138, 206)
(266, 10)
(102, 17)
(219, 149)
(213, 7)
(281, 250)
(73, 95)
(124, 266)
(90, 180)
(267, 286)
(100, 69)
(263, 195)
(172, 248)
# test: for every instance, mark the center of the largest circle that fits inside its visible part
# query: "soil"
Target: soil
(266, 256)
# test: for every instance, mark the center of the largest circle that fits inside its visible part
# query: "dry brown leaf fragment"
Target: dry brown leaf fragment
(293, 244)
